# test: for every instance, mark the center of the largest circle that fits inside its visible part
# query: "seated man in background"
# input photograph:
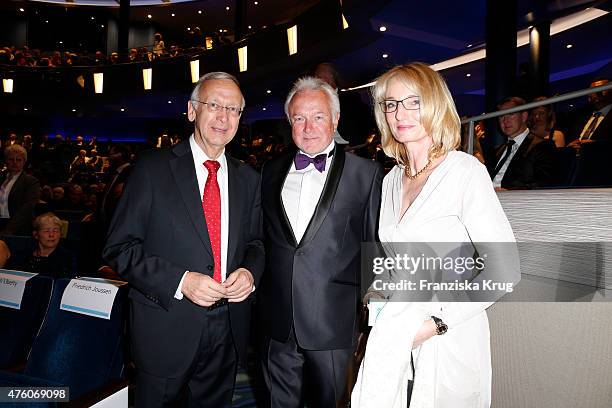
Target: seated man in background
(524, 161)
(19, 193)
(596, 124)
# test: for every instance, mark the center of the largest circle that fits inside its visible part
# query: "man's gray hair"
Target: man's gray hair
(310, 83)
(211, 76)
(16, 149)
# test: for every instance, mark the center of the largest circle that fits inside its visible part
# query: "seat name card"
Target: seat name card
(91, 297)
(12, 285)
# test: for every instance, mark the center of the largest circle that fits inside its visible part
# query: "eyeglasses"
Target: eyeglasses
(215, 107)
(409, 103)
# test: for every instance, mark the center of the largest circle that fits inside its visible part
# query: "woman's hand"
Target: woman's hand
(428, 330)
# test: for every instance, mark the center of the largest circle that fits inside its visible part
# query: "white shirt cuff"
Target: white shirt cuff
(179, 294)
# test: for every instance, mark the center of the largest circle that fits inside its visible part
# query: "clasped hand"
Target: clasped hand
(204, 291)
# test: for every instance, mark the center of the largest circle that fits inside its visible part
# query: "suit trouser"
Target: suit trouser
(295, 375)
(208, 382)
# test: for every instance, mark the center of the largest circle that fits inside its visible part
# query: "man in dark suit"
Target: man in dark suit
(596, 123)
(524, 161)
(187, 236)
(19, 193)
(319, 205)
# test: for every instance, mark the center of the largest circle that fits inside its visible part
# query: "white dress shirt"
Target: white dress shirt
(518, 140)
(199, 157)
(5, 190)
(301, 193)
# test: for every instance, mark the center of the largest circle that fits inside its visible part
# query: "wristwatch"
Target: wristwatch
(441, 327)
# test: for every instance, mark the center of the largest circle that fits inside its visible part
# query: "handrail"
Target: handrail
(553, 99)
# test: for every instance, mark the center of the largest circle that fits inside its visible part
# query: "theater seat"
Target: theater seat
(81, 352)
(20, 326)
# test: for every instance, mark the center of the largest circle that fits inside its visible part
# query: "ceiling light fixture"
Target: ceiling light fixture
(469, 45)
(385, 55)
(173, 15)
(122, 109)
(169, 101)
(382, 29)
(569, 46)
(25, 109)
(149, 16)
(227, 8)
(93, 18)
(199, 11)
(249, 27)
(268, 91)
(344, 22)
(74, 110)
(468, 75)
(21, 9)
(263, 109)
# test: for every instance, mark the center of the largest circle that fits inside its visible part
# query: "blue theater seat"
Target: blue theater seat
(19, 327)
(81, 352)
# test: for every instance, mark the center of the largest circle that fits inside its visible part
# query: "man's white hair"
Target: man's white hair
(310, 83)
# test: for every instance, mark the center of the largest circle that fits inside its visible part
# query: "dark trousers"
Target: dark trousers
(208, 382)
(295, 375)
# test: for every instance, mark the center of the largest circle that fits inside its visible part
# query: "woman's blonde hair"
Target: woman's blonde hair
(437, 110)
(48, 216)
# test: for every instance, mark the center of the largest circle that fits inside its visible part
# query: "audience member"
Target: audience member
(597, 123)
(524, 161)
(542, 123)
(46, 256)
(356, 122)
(19, 193)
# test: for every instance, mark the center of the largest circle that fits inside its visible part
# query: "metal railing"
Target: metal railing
(527, 106)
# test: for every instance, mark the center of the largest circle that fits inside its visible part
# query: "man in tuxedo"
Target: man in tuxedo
(524, 161)
(19, 193)
(186, 235)
(596, 124)
(320, 203)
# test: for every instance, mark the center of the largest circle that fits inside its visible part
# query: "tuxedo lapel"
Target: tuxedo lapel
(278, 182)
(185, 177)
(235, 207)
(327, 196)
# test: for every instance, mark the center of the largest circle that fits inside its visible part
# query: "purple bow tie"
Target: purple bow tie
(302, 161)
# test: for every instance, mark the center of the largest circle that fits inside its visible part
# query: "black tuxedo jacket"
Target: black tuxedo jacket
(314, 285)
(21, 202)
(533, 165)
(158, 232)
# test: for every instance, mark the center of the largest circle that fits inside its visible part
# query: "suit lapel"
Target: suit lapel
(520, 153)
(184, 174)
(278, 182)
(327, 196)
(235, 207)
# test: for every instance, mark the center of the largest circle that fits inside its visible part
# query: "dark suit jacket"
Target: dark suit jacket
(533, 165)
(314, 285)
(21, 202)
(158, 232)
(603, 131)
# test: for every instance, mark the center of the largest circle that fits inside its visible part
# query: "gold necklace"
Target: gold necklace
(418, 173)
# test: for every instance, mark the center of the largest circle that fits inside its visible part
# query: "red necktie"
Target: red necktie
(211, 203)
